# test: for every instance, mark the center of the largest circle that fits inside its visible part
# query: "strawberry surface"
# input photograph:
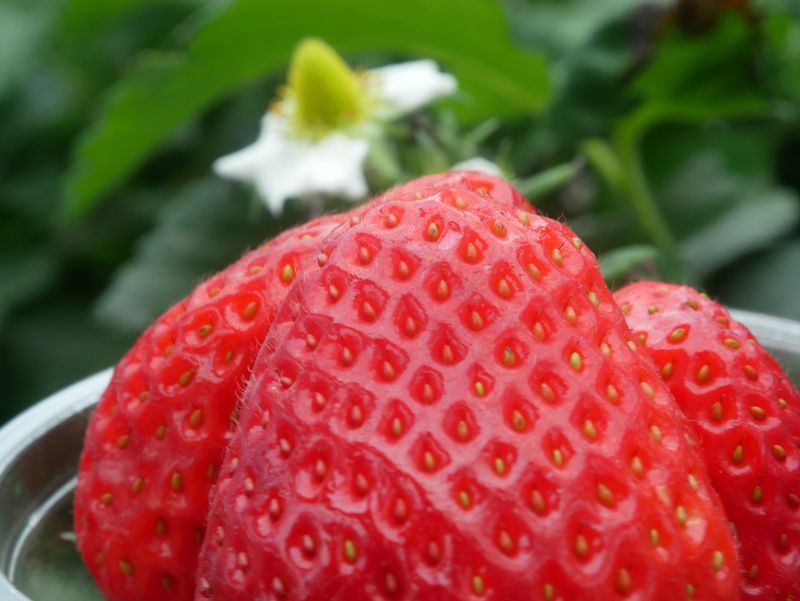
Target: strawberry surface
(747, 413)
(155, 442)
(448, 407)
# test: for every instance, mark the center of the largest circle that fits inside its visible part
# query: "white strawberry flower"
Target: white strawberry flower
(316, 138)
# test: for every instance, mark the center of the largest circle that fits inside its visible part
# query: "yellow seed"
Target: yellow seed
(126, 567)
(718, 560)
(364, 255)
(738, 454)
(538, 330)
(447, 354)
(196, 418)
(537, 501)
(397, 427)
(442, 290)
(106, 498)
(653, 537)
(731, 343)
(250, 310)
(347, 356)
(204, 330)
(137, 485)
(460, 203)
(752, 573)
(703, 374)
(333, 292)
(558, 457)
(549, 591)
(185, 378)
(750, 372)
(228, 356)
(779, 452)
(593, 298)
(391, 583)
(557, 256)
(524, 218)
(429, 461)
(637, 467)
(623, 582)
(464, 500)
(176, 481)
(518, 420)
(655, 432)
(350, 552)
(693, 305)
(476, 321)
(122, 441)
(581, 546)
(388, 371)
(677, 335)
(503, 288)
(576, 242)
(161, 431)
(693, 482)
(368, 311)
(433, 231)
(647, 389)
(505, 542)
(605, 349)
(403, 270)
(757, 412)
(652, 309)
(472, 253)
(716, 411)
(287, 274)
(498, 228)
(605, 495)
(462, 430)
(480, 390)
(757, 494)
(477, 585)
(547, 392)
(782, 403)
(161, 526)
(690, 591)
(611, 394)
(410, 326)
(570, 316)
(509, 358)
(392, 220)
(680, 515)
(576, 361)
(589, 429)
(666, 370)
(499, 466)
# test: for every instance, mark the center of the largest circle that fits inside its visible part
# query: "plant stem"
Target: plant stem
(549, 180)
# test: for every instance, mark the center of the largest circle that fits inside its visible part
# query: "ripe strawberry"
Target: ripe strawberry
(747, 413)
(449, 408)
(154, 443)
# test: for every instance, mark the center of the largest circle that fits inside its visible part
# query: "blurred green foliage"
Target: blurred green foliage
(667, 133)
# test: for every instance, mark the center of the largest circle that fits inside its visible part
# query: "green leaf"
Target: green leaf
(24, 26)
(203, 229)
(619, 263)
(548, 181)
(251, 38)
(760, 218)
(24, 274)
(768, 282)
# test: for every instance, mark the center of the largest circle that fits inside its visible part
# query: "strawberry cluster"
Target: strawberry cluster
(436, 397)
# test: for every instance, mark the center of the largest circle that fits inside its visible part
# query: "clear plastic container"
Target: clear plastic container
(39, 453)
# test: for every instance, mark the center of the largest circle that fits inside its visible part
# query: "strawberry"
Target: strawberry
(154, 443)
(449, 407)
(746, 412)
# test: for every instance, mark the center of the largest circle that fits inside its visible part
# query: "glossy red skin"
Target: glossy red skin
(146, 392)
(335, 470)
(162, 565)
(768, 529)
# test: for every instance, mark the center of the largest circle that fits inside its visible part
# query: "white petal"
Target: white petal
(478, 164)
(283, 167)
(405, 87)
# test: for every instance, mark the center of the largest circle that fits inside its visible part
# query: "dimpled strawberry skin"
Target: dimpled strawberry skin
(747, 413)
(155, 442)
(449, 407)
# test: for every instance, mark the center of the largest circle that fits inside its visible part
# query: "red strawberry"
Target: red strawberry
(459, 416)
(156, 440)
(153, 445)
(746, 412)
